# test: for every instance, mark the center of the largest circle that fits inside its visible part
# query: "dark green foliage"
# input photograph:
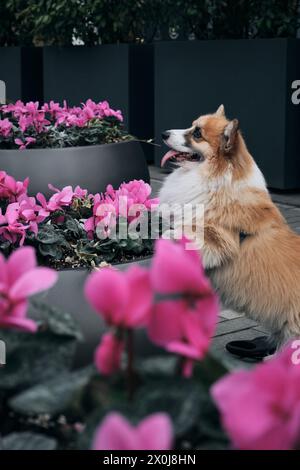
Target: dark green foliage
(42, 400)
(49, 22)
(28, 441)
(34, 358)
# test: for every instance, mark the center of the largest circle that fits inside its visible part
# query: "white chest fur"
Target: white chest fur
(192, 185)
(183, 186)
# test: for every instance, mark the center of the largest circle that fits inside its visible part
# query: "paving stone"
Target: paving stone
(291, 198)
(221, 319)
(237, 324)
(262, 329)
(219, 342)
(230, 314)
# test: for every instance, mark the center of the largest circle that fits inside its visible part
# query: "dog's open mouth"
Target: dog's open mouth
(178, 157)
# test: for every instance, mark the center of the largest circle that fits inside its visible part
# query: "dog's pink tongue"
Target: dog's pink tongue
(167, 157)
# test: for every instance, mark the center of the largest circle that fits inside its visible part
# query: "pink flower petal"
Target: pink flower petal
(260, 408)
(156, 432)
(165, 321)
(20, 262)
(176, 271)
(32, 282)
(107, 292)
(183, 349)
(140, 300)
(115, 433)
(3, 272)
(24, 324)
(108, 354)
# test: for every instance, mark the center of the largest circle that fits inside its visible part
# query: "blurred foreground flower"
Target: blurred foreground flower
(173, 299)
(116, 433)
(183, 319)
(124, 300)
(108, 354)
(20, 278)
(260, 408)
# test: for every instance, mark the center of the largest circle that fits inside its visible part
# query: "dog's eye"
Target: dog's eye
(197, 133)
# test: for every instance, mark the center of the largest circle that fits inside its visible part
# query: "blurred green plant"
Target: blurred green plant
(91, 22)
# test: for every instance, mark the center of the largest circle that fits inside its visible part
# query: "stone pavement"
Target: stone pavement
(233, 325)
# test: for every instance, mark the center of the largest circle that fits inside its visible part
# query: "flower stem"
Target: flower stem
(130, 368)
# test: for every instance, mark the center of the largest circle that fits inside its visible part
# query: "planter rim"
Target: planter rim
(123, 263)
(70, 148)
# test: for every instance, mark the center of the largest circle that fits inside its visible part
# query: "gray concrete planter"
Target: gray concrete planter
(253, 78)
(92, 167)
(68, 295)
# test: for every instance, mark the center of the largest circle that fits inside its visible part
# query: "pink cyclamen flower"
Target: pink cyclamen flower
(11, 228)
(23, 145)
(131, 306)
(61, 199)
(5, 127)
(24, 123)
(20, 278)
(183, 319)
(108, 354)
(30, 212)
(20, 217)
(155, 432)
(129, 201)
(260, 408)
(10, 188)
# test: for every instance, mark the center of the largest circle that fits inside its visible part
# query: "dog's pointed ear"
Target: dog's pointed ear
(220, 111)
(230, 135)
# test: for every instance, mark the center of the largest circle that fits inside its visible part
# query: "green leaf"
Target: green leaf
(54, 251)
(74, 227)
(180, 398)
(27, 441)
(157, 366)
(34, 358)
(209, 370)
(54, 396)
(208, 427)
(54, 320)
(48, 235)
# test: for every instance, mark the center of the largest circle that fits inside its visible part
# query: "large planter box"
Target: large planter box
(68, 295)
(121, 74)
(92, 167)
(253, 79)
(21, 70)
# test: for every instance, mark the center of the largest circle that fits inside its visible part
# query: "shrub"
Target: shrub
(59, 22)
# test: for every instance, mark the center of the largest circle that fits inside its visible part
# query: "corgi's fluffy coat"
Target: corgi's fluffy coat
(260, 275)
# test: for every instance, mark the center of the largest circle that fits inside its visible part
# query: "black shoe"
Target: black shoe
(256, 348)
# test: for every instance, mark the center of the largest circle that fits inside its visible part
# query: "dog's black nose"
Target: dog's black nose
(165, 135)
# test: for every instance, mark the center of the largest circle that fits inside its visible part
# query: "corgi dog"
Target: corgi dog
(249, 252)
